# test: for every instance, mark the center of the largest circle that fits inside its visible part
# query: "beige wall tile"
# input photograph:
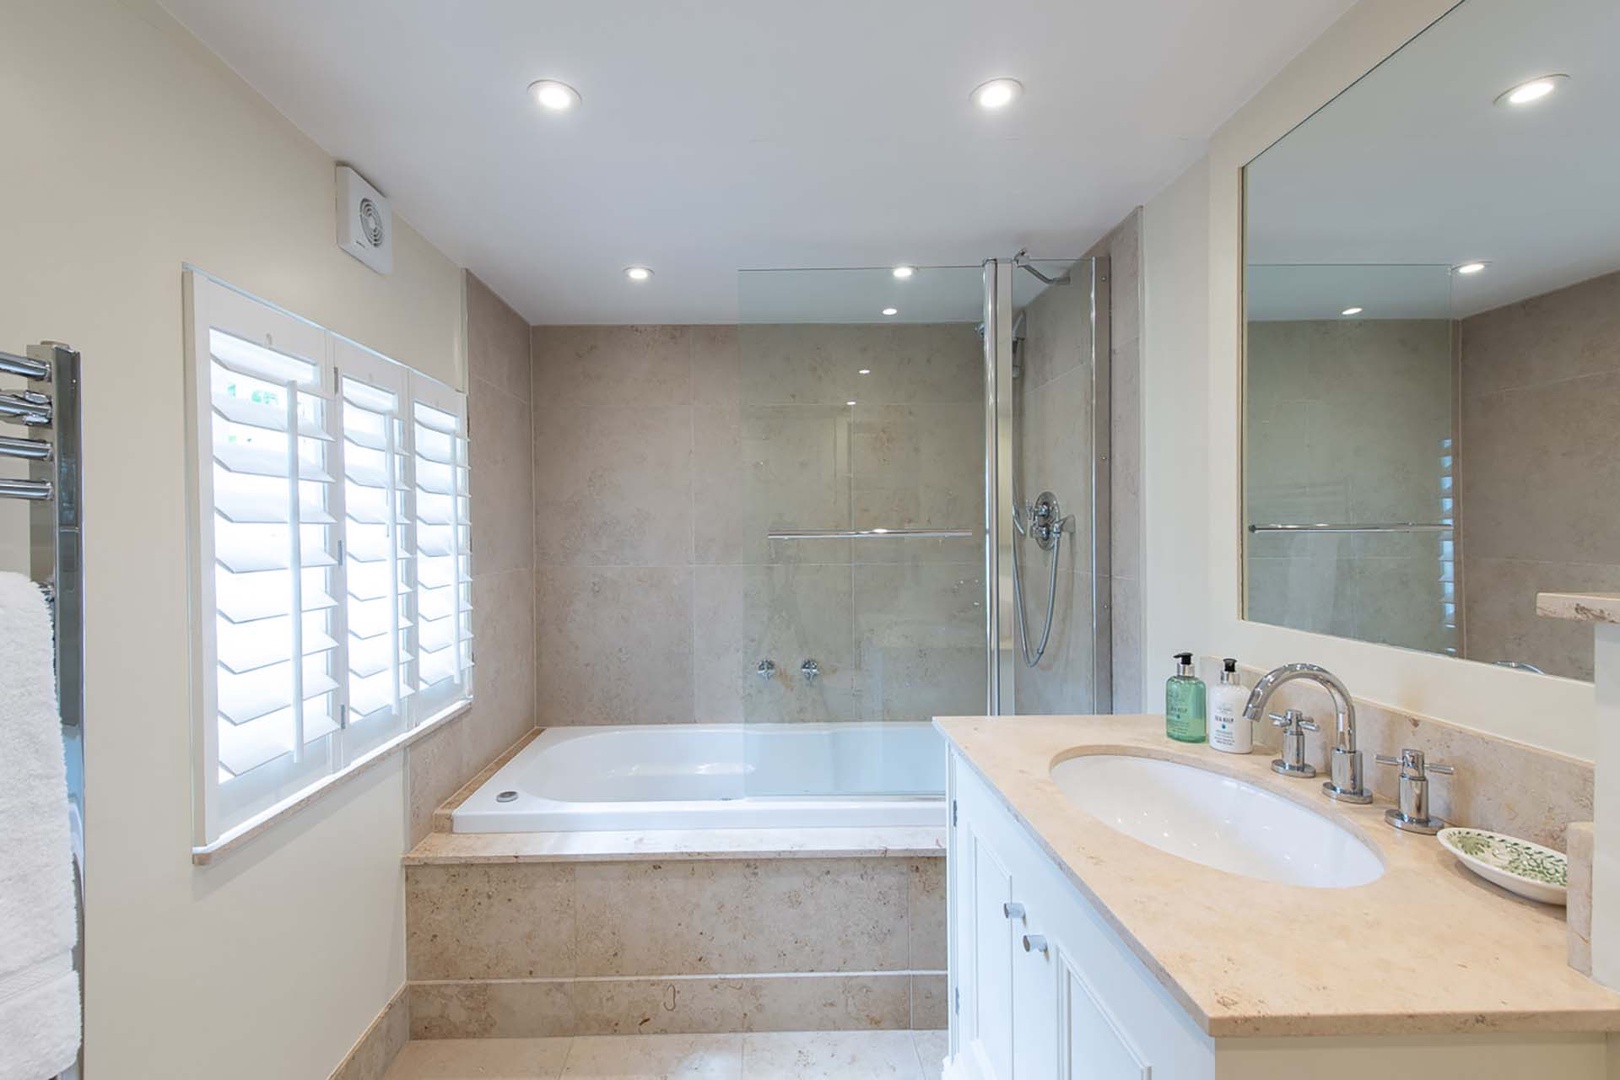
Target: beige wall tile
(613, 486)
(925, 907)
(380, 1045)
(1502, 623)
(614, 645)
(919, 632)
(520, 1009)
(436, 767)
(613, 366)
(776, 915)
(489, 921)
(716, 366)
(497, 341)
(820, 364)
(659, 1006)
(930, 1002)
(501, 453)
(827, 1003)
(1564, 334)
(503, 675)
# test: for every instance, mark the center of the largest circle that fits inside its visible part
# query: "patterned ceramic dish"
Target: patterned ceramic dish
(1517, 865)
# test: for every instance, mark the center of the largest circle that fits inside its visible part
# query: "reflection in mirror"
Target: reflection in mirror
(1431, 400)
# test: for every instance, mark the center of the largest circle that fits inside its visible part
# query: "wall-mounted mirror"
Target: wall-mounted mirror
(1431, 392)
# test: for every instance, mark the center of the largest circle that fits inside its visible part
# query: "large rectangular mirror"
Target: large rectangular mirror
(1431, 391)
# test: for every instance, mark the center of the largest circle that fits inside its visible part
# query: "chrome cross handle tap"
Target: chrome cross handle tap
(1413, 813)
(1294, 725)
(1346, 785)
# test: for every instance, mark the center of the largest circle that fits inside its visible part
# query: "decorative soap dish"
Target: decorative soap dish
(1519, 866)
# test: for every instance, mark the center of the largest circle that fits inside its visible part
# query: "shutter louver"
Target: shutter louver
(443, 557)
(271, 438)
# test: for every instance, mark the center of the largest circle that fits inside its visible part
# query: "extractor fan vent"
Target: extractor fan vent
(365, 222)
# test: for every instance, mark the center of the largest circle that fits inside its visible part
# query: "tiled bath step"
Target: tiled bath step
(844, 1055)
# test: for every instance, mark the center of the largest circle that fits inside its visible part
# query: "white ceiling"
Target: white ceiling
(718, 135)
(1416, 165)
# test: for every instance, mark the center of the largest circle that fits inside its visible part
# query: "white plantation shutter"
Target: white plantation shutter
(442, 511)
(332, 600)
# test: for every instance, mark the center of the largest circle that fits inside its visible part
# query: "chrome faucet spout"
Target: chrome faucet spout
(1346, 784)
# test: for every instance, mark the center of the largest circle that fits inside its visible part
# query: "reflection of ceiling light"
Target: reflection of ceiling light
(997, 93)
(849, 403)
(1534, 90)
(1351, 311)
(903, 272)
(637, 273)
(864, 371)
(891, 311)
(1470, 268)
(554, 95)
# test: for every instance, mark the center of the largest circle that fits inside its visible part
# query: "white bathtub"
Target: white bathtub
(722, 776)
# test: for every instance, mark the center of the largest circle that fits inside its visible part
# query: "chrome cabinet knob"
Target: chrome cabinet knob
(1012, 910)
(1035, 943)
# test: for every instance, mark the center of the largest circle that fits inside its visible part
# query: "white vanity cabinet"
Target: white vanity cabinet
(1041, 988)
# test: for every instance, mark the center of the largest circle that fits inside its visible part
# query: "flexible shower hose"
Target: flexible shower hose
(1033, 658)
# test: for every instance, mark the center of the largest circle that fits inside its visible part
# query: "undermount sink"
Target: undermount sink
(1217, 820)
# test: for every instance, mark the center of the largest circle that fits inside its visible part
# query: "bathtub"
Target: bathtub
(721, 776)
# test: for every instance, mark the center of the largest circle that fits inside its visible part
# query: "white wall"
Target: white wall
(1193, 610)
(129, 150)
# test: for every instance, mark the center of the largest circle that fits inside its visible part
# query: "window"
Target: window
(333, 588)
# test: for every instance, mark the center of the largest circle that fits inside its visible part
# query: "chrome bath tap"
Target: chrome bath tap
(1346, 785)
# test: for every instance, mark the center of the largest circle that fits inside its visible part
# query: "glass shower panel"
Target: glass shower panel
(859, 581)
(1055, 652)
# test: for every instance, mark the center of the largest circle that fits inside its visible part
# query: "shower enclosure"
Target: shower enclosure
(924, 477)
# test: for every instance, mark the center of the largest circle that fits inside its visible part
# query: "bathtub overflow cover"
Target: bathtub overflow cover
(506, 796)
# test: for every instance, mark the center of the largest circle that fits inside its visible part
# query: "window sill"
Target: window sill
(207, 854)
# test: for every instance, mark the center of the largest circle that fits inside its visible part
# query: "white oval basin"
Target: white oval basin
(1217, 821)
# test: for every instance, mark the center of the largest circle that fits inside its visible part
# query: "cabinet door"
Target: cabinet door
(1093, 1047)
(1035, 997)
(988, 1022)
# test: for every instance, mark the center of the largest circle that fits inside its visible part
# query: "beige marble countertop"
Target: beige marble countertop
(1583, 607)
(1428, 948)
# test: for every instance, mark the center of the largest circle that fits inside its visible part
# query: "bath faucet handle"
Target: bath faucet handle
(810, 670)
(766, 669)
(1413, 813)
(1294, 725)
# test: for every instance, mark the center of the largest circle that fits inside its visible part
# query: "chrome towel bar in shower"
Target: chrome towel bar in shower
(871, 534)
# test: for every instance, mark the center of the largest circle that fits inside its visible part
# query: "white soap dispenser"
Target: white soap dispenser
(1229, 729)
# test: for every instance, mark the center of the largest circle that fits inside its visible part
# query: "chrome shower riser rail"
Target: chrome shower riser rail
(872, 534)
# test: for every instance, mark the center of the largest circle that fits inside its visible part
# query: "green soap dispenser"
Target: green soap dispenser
(1184, 694)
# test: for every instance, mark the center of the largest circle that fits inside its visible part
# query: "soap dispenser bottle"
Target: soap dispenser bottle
(1229, 729)
(1184, 702)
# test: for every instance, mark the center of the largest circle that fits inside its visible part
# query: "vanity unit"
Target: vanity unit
(1090, 940)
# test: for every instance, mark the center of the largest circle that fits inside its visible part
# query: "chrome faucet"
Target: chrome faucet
(1346, 785)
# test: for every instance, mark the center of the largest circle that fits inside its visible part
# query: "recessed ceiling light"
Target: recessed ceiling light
(903, 272)
(637, 273)
(1470, 268)
(1534, 90)
(1351, 311)
(864, 371)
(997, 93)
(554, 95)
(891, 311)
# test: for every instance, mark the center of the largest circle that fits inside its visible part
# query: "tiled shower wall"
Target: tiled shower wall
(499, 426)
(664, 454)
(1540, 464)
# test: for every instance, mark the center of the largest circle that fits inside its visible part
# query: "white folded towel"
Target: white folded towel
(39, 993)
